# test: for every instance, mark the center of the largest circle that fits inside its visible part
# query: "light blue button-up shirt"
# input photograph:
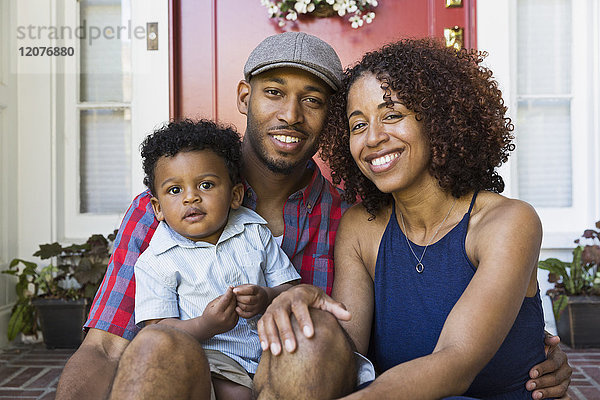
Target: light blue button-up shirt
(177, 277)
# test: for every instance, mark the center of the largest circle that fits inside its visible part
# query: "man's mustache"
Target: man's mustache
(288, 128)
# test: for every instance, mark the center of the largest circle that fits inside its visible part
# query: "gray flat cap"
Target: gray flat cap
(297, 50)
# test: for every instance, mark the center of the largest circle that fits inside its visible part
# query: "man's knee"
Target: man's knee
(162, 362)
(322, 366)
(164, 344)
(329, 336)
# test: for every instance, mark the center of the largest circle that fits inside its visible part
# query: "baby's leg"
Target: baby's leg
(227, 390)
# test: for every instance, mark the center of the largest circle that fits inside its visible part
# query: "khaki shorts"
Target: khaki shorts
(224, 367)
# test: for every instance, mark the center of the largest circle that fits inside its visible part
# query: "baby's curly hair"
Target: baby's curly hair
(187, 135)
(458, 102)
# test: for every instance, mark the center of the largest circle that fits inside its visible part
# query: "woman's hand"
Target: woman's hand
(275, 325)
(552, 377)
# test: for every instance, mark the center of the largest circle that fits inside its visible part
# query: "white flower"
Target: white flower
(354, 9)
(273, 10)
(369, 17)
(300, 7)
(351, 5)
(356, 21)
(345, 6)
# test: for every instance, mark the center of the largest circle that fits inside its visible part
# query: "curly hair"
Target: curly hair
(458, 103)
(187, 135)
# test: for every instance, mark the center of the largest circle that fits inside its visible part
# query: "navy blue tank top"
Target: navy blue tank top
(411, 308)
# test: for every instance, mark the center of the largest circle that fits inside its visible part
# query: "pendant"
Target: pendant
(419, 267)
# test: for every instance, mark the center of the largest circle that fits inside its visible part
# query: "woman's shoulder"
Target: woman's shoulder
(358, 216)
(361, 233)
(493, 211)
(359, 226)
(489, 204)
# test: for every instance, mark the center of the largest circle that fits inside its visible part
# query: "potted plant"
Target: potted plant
(359, 11)
(576, 293)
(56, 297)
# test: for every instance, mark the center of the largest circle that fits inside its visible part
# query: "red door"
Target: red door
(211, 40)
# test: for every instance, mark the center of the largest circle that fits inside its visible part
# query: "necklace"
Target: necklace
(420, 267)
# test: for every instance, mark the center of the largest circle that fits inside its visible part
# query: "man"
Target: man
(288, 80)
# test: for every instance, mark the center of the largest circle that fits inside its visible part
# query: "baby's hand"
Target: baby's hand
(220, 314)
(251, 300)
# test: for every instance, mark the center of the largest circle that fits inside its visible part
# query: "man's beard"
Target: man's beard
(279, 165)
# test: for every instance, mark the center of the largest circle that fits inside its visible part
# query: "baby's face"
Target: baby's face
(194, 194)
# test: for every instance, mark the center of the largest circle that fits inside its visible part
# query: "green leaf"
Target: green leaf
(555, 266)
(90, 273)
(28, 264)
(48, 250)
(76, 248)
(111, 237)
(21, 320)
(577, 272)
(9, 272)
(558, 305)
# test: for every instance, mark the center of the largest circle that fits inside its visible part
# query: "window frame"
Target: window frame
(149, 108)
(561, 225)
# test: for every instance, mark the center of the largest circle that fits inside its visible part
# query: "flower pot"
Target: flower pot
(579, 323)
(61, 321)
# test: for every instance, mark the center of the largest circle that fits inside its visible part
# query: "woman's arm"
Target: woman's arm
(353, 284)
(504, 243)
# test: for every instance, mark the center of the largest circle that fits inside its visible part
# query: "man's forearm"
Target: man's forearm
(89, 373)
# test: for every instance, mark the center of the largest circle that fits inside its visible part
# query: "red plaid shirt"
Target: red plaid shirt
(311, 218)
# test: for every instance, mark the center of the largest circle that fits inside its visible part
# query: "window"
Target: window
(554, 50)
(544, 103)
(104, 108)
(109, 96)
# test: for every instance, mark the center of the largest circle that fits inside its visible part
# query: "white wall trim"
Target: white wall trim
(9, 226)
(35, 130)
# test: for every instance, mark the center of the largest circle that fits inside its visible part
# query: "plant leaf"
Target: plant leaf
(591, 254)
(577, 272)
(48, 250)
(558, 305)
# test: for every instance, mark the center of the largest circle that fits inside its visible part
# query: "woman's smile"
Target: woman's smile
(379, 163)
(386, 140)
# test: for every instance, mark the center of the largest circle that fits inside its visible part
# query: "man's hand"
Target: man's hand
(219, 316)
(276, 323)
(552, 377)
(251, 300)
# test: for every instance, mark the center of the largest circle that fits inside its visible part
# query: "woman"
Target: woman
(434, 259)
